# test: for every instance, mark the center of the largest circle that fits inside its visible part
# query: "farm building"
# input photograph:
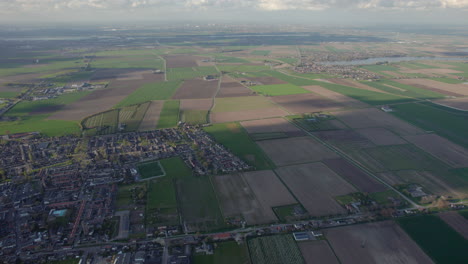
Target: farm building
(302, 236)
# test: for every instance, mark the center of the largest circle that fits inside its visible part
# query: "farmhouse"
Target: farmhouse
(386, 108)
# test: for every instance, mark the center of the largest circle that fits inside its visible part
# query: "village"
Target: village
(58, 192)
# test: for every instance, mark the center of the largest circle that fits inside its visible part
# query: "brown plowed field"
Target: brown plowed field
(151, 118)
(233, 89)
(337, 97)
(459, 103)
(176, 61)
(440, 87)
(443, 149)
(196, 104)
(345, 137)
(272, 125)
(358, 178)
(372, 117)
(122, 74)
(315, 186)
(237, 199)
(268, 189)
(295, 150)
(222, 117)
(196, 89)
(100, 100)
(381, 136)
(317, 252)
(375, 243)
(306, 103)
(456, 221)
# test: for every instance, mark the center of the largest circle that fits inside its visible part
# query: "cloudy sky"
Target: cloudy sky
(326, 11)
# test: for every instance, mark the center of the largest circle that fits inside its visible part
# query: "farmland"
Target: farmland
(169, 115)
(174, 74)
(435, 237)
(151, 91)
(150, 169)
(383, 242)
(225, 253)
(278, 89)
(281, 249)
(317, 252)
(233, 136)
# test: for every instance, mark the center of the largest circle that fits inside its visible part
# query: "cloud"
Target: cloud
(263, 5)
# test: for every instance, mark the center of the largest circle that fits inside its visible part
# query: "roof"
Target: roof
(299, 236)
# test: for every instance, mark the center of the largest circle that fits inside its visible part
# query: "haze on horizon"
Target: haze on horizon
(362, 12)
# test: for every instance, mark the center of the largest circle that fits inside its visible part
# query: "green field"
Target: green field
(227, 59)
(298, 81)
(169, 116)
(266, 136)
(161, 205)
(131, 116)
(40, 124)
(190, 73)
(274, 249)
(150, 92)
(287, 212)
(124, 198)
(370, 97)
(450, 124)
(384, 198)
(464, 213)
(105, 122)
(380, 68)
(436, 238)
(278, 89)
(291, 61)
(26, 108)
(404, 90)
(242, 68)
(194, 117)
(197, 200)
(149, 61)
(261, 52)
(9, 94)
(150, 169)
(225, 253)
(234, 137)
(50, 66)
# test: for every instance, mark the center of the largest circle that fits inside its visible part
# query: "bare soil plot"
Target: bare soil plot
(390, 178)
(381, 136)
(295, 150)
(381, 243)
(196, 89)
(267, 80)
(236, 199)
(306, 103)
(372, 117)
(272, 125)
(349, 139)
(268, 189)
(358, 178)
(233, 89)
(151, 118)
(456, 221)
(459, 103)
(315, 185)
(195, 104)
(317, 252)
(337, 97)
(222, 117)
(443, 149)
(176, 61)
(440, 87)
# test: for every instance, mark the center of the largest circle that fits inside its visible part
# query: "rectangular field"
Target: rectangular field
(381, 136)
(151, 118)
(382, 243)
(278, 89)
(439, 87)
(233, 89)
(456, 221)
(151, 91)
(357, 177)
(234, 137)
(337, 97)
(441, 148)
(306, 103)
(449, 124)
(169, 116)
(196, 89)
(315, 186)
(274, 249)
(225, 253)
(371, 117)
(317, 252)
(190, 73)
(272, 125)
(295, 150)
(436, 238)
(458, 103)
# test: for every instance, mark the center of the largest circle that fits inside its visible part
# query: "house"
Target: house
(386, 108)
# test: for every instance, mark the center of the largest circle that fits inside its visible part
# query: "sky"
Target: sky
(268, 11)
